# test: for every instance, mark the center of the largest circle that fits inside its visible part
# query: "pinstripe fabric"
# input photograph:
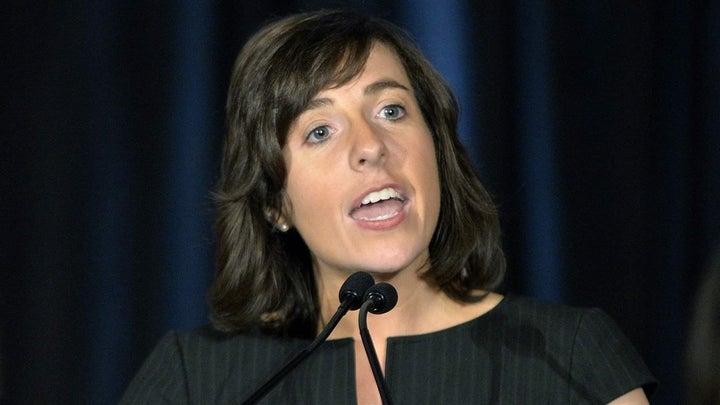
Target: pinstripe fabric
(522, 352)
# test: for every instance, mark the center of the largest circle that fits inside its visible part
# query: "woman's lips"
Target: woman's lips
(380, 208)
(379, 211)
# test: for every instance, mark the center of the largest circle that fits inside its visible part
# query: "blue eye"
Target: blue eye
(392, 112)
(318, 134)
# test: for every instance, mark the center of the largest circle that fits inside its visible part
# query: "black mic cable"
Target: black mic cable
(351, 298)
(379, 299)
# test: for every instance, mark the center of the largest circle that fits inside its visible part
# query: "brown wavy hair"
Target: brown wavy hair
(264, 278)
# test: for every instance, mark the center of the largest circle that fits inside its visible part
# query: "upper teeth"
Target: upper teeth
(384, 194)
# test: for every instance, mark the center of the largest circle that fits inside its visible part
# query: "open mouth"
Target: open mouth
(379, 205)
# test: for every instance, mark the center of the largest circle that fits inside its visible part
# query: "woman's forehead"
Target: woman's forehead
(381, 62)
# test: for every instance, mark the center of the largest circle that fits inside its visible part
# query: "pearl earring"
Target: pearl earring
(283, 227)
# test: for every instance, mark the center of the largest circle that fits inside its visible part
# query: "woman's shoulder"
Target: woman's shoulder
(208, 338)
(518, 308)
(584, 341)
(529, 304)
(557, 327)
(190, 364)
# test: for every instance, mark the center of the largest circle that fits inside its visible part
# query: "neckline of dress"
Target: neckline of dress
(436, 333)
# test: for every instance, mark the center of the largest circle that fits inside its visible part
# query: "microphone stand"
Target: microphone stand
(370, 350)
(262, 391)
(351, 295)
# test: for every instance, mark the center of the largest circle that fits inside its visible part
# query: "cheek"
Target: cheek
(434, 191)
(308, 197)
(430, 176)
(429, 165)
(296, 197)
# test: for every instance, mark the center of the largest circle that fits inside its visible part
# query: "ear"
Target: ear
(277, 220)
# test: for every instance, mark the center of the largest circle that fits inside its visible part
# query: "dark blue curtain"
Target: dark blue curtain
(595, 125)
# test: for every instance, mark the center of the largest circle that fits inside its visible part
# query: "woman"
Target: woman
(342, 155)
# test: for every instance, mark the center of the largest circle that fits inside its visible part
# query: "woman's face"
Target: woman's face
(363, 181)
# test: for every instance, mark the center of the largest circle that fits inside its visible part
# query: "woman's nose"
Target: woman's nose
(368, 147)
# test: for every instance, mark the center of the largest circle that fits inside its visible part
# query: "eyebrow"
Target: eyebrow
(382, 85)
(371, 89)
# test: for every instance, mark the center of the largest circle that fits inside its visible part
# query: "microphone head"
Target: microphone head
(384, 297)
(354, 288)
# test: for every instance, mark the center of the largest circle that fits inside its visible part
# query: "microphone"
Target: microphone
(351, 297)
(382, 297)
(379, 299)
